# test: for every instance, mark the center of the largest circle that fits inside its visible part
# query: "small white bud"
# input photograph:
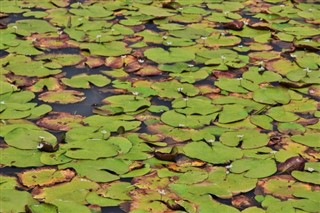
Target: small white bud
(140, 60)
(229, 166)
(309, 169)
(180, 89)
(162, 191)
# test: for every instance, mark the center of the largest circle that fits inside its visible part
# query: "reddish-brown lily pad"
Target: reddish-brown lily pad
(60, 121)
(45, 177)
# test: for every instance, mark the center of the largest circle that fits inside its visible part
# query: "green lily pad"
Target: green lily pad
(84, 81)
(174, 89)
(43, 207)
(71, 193)
(218, 183)
(28, 139)
(176, 119)
(232, 113)
(194, 106)
(292, 128)
(24, 66)
(252, 167)
(132, 102)
(271, 95)
(114, 48)
(20, 158)
(15, 201)
(248, 138)
(61, 59)
(62, 96)
(29, 26)
(98, 170)
(112, 123)
(89, 149)
(281, 115)
(230, 85)
(308, 177)
(172, 56)
(262, 121)
(307, 139)
(217, 154)
(218, 40)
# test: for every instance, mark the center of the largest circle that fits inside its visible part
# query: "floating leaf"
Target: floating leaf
(84, 81)
(307, 139)
(98, 170)
(114, 48)
(15, 201)
(20, 158)
(279, 114)
(62, 96)
(175, 119)
(28, 139)
(271, 95)
(214, 154)
(172, 56)
(232, 113)
(252, 167)
(45, 177)
(248, 138)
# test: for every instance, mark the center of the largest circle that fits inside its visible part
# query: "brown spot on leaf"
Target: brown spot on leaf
(223, 74)
(45, 177)
(60, 121)
(94, 62)
(242, 201)
(234, 25)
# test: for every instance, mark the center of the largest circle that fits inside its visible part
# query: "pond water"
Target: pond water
(159, 106)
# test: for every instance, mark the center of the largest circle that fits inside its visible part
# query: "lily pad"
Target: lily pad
(28, 139)
(232, 113)
(15, 201)
(45, 177)
(214, 154)
(114, 48)
(271, 95)
(84, 81)
(248, 138)
(62, 96)
(307, 139)
(252, 167)
(20, 158)
(172, 56)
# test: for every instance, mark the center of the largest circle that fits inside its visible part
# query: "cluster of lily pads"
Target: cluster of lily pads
(199, 106)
